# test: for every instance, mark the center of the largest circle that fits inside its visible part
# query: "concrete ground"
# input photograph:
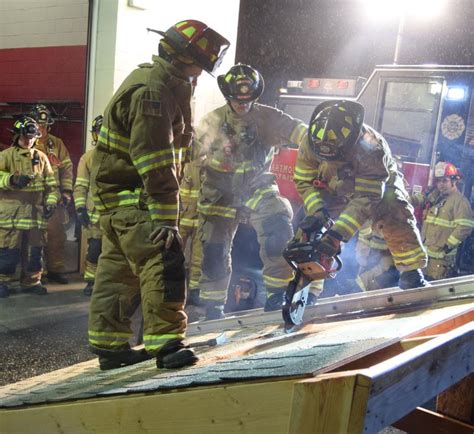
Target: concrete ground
(40, 334)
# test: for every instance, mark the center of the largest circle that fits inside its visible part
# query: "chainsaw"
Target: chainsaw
(309, 264)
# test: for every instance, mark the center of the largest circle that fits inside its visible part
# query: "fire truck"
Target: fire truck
(426, 113)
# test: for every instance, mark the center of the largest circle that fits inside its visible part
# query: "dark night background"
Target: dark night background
(293, 39)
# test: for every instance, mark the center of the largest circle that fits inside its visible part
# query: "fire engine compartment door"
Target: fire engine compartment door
(408, 115)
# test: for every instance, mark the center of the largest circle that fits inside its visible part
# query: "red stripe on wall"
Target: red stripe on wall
(45, 74)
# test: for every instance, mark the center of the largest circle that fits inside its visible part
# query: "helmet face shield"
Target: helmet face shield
(241, 83)
(334, 127)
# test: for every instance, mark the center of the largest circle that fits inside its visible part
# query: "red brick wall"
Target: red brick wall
(45, 74)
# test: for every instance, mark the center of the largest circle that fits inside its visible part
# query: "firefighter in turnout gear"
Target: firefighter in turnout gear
(28, 193)
(447, 221)
(238, 141)
(377, 269)
(346, 168)
(136, 165)
(61, 163)
(87, 215)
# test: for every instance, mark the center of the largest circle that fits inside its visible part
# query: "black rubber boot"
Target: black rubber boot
(214, 312)
(274, 301)
(175, 354)
(4, 291)
(123, 358)
(58, 278)
(88, 288)
(37, 289)
(412, 279)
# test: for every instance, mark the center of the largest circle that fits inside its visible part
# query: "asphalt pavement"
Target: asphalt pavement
(39, 334)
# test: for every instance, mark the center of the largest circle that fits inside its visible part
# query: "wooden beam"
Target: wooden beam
(323, 404)
(262, 408)
(409, 343)
(422, 421)
(399, 385)
(458, 400)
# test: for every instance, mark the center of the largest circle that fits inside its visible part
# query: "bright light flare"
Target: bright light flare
(385, 9)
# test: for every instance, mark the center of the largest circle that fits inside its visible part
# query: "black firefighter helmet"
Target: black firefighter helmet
(241, 83)
(335, 125)
(25, 126)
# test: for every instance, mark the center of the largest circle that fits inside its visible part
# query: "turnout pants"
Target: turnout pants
(131, 266)
(272, 222)
(23, 247)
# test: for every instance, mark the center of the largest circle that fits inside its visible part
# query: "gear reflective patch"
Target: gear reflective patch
(151, 107)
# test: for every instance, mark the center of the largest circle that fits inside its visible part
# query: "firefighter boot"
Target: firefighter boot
(37, 289)
(4, 291)
(412, 279)
(175, 354)
(274, 301)
(88, 288)
(58, 278)
(119, 359)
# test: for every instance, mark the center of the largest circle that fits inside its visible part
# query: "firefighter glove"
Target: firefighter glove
(20, 181)
(83, 217)
(315, 222)
(48, 211)
(168, 234)
(330, 244)
(66, 197)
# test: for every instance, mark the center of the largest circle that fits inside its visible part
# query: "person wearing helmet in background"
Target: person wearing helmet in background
(136, 164)
(447, 221)
(346, 170)
(28, 194)
(236, 144)
(87, 215)
(61, 163)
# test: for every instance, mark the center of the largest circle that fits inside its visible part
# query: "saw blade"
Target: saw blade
(293, 312)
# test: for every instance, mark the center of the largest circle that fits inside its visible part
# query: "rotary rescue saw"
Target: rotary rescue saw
(309, 264)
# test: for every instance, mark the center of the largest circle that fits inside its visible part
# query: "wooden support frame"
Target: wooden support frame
(379, 396)
(362, 400)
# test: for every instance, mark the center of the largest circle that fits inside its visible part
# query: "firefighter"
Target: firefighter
(238, 140)
(28, 194)
(87, 215)
(346, 169)
(136, 165)
(447, 221)
(377, 269)
(61, 163)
